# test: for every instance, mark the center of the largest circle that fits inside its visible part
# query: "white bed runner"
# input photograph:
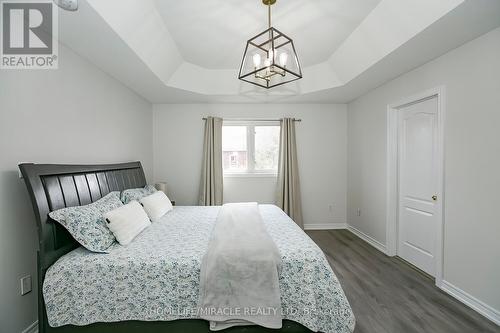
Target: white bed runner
(239, 278)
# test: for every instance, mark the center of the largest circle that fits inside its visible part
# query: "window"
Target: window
(234, 148)
(250, 147)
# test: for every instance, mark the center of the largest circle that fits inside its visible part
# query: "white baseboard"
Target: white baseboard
(33, 328)
(325, 226)
(370, 240)
(469, 300)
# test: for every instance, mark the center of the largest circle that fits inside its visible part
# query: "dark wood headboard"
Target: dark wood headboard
(56, 186)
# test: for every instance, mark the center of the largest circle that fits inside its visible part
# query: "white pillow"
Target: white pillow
(156, 205)
(126, 222)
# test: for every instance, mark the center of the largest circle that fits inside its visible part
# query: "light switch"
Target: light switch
(26, 286)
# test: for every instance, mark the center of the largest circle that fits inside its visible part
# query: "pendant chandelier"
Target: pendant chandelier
(270, 58)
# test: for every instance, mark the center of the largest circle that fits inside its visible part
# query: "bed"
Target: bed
(152, 284)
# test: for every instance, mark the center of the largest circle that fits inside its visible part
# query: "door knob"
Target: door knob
(434, 197)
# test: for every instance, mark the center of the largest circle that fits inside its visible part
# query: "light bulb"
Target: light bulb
(283, 59)
(270, 55)
(256, 60)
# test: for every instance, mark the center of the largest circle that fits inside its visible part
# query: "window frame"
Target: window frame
(250, 171)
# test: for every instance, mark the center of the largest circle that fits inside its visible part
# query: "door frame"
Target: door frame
(393, 174)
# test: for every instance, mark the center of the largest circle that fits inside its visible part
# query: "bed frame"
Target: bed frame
(55, 186)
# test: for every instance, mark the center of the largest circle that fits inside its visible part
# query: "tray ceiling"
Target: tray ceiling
(189, 51)
(213, 33)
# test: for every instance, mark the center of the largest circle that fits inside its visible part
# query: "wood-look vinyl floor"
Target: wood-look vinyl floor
(387, 295)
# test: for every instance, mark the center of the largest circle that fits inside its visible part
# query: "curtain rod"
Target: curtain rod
(239, 119)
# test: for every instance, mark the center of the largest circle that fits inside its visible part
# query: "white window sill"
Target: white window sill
(250, 175)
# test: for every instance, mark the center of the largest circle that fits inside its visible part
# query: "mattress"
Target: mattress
(156, 277)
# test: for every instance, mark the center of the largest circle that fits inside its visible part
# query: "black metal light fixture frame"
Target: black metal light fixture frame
(276, 39)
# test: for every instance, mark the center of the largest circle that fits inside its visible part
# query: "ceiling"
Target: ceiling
(189, 51)
(213, 33)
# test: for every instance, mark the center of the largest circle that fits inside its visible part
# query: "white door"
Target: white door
(418, 183)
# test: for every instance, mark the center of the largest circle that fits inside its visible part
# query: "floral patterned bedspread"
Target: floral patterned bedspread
(156, 277)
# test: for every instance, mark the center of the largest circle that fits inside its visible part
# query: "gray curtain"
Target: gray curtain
(288, 194)
(211, 174)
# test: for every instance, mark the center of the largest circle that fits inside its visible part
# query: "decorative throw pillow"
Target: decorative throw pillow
(86, 223)
(156, 205)
(137, 193)
(128, 221)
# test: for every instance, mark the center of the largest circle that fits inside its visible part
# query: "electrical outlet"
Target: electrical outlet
(331, 207)
(26, 286)
(358, 212)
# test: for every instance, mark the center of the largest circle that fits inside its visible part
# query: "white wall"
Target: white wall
(321, 145)
(76, 114)
(471, 75)
(244, 189)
